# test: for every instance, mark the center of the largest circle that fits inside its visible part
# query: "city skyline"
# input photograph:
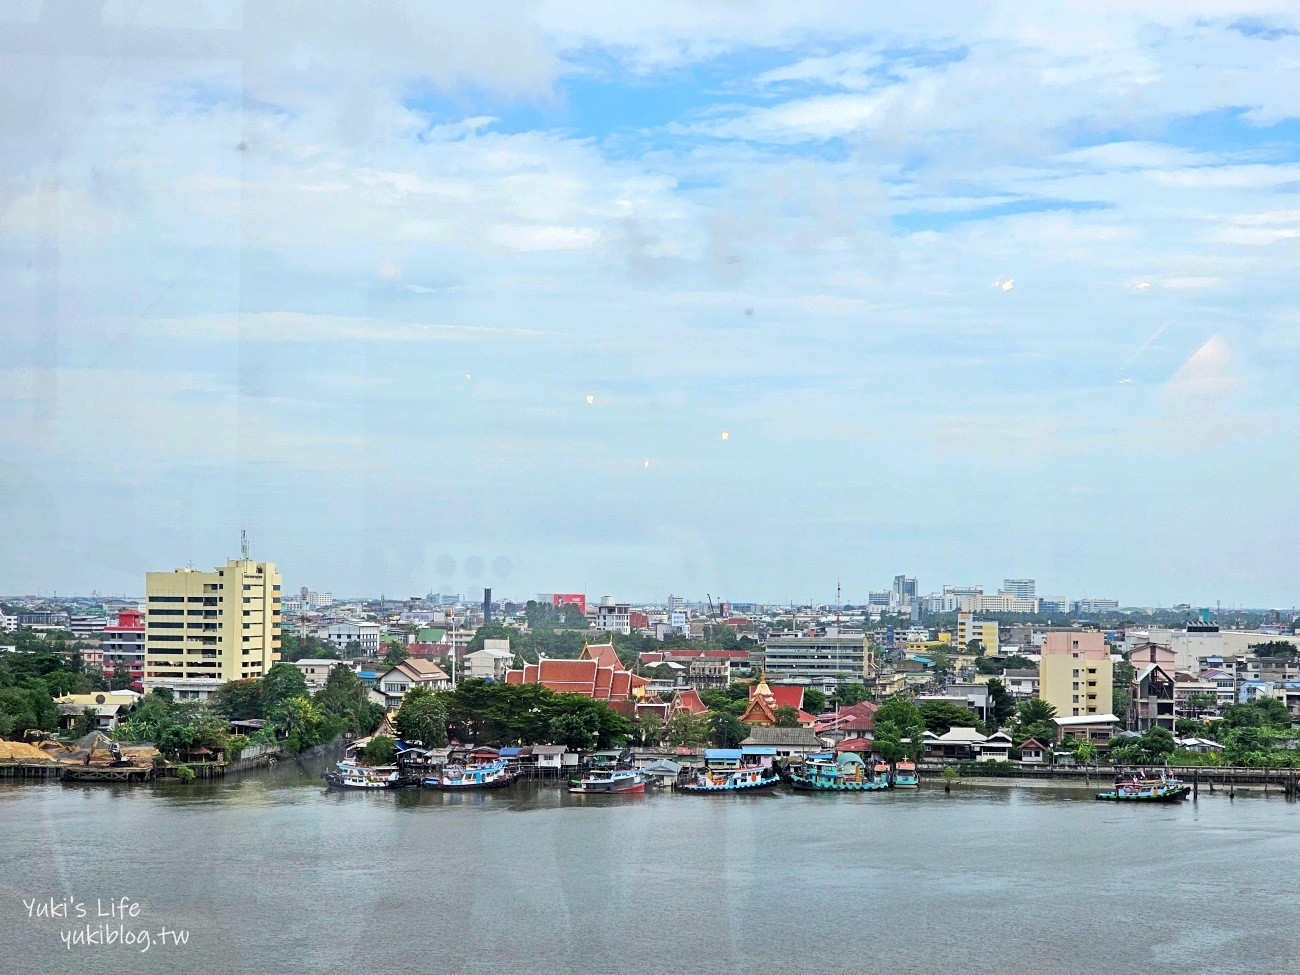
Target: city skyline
(667, 298)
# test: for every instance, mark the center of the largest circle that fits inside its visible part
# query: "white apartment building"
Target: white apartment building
(361, 632)
(612, 617)
(1001, 603)
(1021, 588)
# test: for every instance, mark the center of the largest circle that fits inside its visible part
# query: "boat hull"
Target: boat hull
(604, 789)
(336, 781)
(458, 786)
(1170, 795)
(801, 784)
(696, 789)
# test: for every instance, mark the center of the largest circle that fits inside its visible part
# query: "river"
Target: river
(271, 873)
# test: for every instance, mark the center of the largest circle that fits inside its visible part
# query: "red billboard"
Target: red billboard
(569, 599)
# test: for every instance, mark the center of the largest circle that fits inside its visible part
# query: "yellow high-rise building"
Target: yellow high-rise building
(969, 628)
(1075, 674)
(203, 629)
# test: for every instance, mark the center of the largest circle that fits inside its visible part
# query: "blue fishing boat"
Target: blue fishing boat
(1143, 788)
(847, 773)
(725, 771)
(489, 775)
(905, 776)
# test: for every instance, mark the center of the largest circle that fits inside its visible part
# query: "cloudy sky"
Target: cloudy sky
(738, 298)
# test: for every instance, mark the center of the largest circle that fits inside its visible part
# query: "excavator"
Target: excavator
(101, 745)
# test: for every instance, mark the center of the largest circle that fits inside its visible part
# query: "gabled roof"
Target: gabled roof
(788, 737)
(689, 701)
(418, 669)
(1032, 744)
(957, 735)
(603, 653)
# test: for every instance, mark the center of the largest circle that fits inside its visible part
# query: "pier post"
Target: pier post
(1196, 784)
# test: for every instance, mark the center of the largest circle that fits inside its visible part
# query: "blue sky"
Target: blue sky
(973, 292)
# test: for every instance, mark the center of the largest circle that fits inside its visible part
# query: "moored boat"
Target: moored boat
(847, 773)
(611, 782)
(489, 775)
(353, 775)
(1139, 788)
(743, 779)
(905, 776)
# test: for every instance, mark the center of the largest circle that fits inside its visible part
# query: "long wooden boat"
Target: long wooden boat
(353, 775)
(746, 778)
(490, 775)
(847, 773)
(621, 781)
(1150, 789)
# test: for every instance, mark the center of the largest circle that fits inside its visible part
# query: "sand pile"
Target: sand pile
(20, 751)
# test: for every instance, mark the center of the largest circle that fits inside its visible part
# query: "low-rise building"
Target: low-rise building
(1096, 728)
(316, 671)
(490, 663)
(392, 685)
(353, 636)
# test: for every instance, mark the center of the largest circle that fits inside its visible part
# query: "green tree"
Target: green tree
(728, 730)
(576, 730)
(847, 695)
(687, 731)
(1002, 706)
(786, 717)
(899, 730)
(380, 750)
(422, 718)
(300, 721)
(1275, 649)
(282, 682)
(345, 705)
(395, 653)
(1034, 720)
(814, 701)
(240, 700)
(648, 730)
(940, 716)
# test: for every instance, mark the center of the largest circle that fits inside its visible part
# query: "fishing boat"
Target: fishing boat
(847, 773)
(743, 779)
(905, 776)
(1144, 788)
(353, 775)
(489, 775)
(610, 782)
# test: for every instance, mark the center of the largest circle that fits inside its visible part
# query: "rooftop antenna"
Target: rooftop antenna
(243, 543)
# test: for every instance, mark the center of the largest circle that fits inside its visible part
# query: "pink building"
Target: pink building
(1080, 645)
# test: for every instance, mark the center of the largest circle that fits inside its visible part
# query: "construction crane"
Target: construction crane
(709, 597)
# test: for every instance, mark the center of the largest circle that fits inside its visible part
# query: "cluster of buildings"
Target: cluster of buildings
(1014, 596)
(196, 630)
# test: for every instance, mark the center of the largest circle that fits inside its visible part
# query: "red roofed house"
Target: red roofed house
(854, 720)
(597, 674)
(766, 699)
(689, 702)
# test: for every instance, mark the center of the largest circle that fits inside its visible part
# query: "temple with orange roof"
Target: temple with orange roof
(597, 674)
(766, 699)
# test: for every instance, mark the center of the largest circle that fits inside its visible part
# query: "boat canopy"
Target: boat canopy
(851, 758)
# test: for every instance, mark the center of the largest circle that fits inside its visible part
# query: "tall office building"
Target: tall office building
(904, 592)
(203, 629)
(1020, 588)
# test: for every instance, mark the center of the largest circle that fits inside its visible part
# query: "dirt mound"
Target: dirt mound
(20, 751)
